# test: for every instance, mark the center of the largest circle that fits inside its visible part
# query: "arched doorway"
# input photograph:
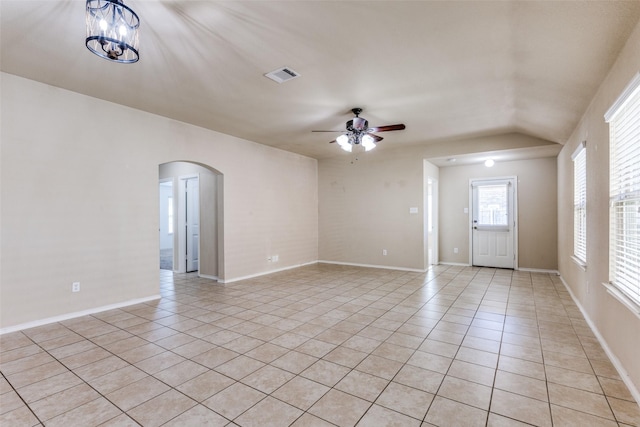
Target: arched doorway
(209, 242)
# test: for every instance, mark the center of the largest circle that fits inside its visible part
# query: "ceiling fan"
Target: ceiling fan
(358, 132)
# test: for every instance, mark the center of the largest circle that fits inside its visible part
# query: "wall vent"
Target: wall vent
(282, 75)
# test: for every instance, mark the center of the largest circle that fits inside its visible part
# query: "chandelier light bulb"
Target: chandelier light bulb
(368, 143)
(343, 142)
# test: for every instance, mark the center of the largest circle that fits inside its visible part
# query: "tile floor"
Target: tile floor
(322, 345)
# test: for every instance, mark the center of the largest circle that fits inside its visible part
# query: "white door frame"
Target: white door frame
(173, 191)
(514, 179)
(182, 223)
(431, 235)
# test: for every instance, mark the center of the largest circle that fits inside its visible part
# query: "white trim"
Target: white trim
(68, 316)
(626, 93)
(581, 264)
(433, 182)
(578, 150)
(622, 298)
(539, 270)
(206, 276)
(264, 273)
(474, 182)
(614, 360)
(385, 267)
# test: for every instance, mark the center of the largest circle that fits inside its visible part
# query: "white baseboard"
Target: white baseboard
(386, 267)
(68, 316)
(264, 273)
(539, 270)
(614, 360)
(530, 270)
(206, 276)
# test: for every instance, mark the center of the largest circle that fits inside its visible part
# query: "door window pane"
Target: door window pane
(492, 205)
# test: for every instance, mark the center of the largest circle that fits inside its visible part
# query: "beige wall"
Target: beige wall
(79, 201)
(364, 208)
(617, 326)
(364, 205)
(537, 210)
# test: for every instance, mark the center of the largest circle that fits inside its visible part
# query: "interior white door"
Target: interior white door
(493, 227)
(192, 215)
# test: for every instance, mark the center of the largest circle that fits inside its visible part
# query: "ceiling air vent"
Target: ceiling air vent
(282, 75)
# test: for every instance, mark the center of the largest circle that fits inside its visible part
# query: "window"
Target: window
(580, 204)
(492, 205)
(624, 193)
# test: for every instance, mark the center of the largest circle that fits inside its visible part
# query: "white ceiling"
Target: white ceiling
(448, 70)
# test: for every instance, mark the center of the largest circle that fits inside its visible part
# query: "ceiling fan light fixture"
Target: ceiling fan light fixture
(360, 134)
(344, 142)
(112, 30)
(368, 143)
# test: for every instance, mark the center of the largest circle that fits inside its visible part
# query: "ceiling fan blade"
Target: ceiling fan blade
(376, 138)
(331, 142)
(386, 128)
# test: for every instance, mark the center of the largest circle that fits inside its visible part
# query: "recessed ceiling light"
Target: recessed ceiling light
(489, 163)
(451, 160)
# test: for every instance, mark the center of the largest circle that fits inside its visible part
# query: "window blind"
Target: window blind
(580, 204)
(624, 186)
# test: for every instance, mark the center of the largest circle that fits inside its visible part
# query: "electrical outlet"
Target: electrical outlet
(384, 252)
(455, 250)
(75, 287)
(275, 258)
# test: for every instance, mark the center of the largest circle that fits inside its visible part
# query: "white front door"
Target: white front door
(493, 223)
(192, 215)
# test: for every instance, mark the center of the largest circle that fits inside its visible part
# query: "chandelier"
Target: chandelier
(112, 30)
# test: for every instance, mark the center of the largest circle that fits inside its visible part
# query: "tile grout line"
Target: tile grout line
(21, 399)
